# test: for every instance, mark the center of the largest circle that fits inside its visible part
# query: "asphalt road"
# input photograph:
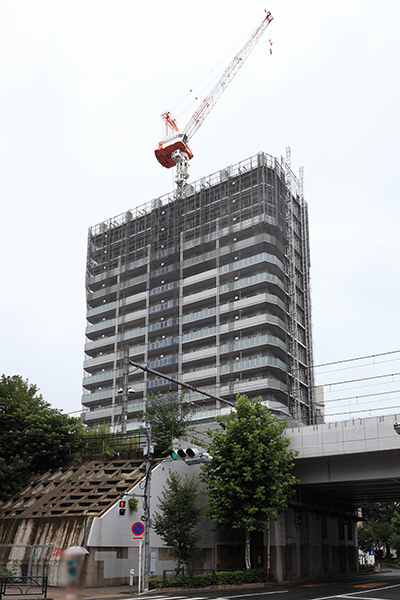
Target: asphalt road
(380, 586)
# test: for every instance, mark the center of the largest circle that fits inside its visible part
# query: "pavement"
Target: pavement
(384, 585)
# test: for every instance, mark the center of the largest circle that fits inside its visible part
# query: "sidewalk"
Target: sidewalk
(100, 593)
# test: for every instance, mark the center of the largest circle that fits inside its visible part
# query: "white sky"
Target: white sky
(82, 85)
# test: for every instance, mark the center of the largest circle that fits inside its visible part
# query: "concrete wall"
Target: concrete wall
(38, 542)
(303, 543)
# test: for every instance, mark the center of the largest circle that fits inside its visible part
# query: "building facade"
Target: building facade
(212, 289)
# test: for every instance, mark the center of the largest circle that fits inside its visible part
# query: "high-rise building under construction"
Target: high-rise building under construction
(212, 288)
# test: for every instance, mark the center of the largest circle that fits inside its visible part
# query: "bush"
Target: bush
(367, 568)
(218, 578)
(155, 583)
(230, 577)
(203, 580)
(256, 575)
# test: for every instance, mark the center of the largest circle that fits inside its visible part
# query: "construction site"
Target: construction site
(208, 287)
(211, 288)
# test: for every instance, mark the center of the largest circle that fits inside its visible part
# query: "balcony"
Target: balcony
(107, 412)
(200, 375)
(200, 296)
(102, 342)
(100, 309)
(103, 376)
(252, 363)
(256, 321)
(106, 324)
(252, 280)
(201, 314)
(253, 301)
(252, 342)
(260, 386)
(199, 333)
(199, 354)
(200, 277)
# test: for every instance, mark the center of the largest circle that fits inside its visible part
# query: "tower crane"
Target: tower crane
(173, 150)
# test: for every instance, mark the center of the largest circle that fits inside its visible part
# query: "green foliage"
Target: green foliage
(4, 572)
(377, 530)
(133, 504)
(366, 537)
(205, 579)
(366, 568)
(169, 419)
(100, 440)
(178, 516)
(394, 539)
(155, 584)
(249, 479)
(34, 437)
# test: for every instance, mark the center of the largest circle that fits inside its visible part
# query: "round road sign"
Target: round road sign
(138, 528)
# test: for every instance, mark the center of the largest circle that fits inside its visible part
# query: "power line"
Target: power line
(381, 362)
(337, 362)
(363, 396)
(357, 380)
(359, 387)
(366, 410)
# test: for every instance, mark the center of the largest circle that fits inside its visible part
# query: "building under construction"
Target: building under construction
(212, 288)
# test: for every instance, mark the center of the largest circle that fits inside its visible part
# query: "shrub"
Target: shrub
(230, 577)
(367, 568)
(202, 580)
(155, 583)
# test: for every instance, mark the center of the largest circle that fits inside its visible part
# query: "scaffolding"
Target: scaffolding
(152, 248)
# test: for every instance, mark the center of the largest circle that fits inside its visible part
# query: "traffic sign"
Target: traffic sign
(138, 528)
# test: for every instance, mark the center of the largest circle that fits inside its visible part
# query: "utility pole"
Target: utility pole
(149, 451)
(124, 412)
(149, 460)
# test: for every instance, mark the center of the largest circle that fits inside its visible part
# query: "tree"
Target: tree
(394, 539)
(180, 513)
(249, 478)
(169, 418)
(377, 528)
(33, 436)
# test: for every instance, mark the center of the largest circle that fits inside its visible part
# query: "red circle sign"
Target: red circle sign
(138, 528)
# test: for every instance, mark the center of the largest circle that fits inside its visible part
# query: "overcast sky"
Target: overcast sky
(82, 87)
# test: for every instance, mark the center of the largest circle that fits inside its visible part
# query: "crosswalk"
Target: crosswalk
(186, 597)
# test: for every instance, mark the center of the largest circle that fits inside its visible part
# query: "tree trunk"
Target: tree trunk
(178, 566)
(247, 551)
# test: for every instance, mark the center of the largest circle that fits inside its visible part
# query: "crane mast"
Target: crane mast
(173, 150)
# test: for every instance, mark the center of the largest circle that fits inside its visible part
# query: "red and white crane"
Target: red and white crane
(173, 150)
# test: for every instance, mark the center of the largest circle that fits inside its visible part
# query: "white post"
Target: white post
(140, 567)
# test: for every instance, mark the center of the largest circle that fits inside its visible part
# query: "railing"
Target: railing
(207, 577)
(23, 586)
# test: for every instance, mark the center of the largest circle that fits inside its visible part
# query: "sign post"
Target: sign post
(138, 530)
(140, 568)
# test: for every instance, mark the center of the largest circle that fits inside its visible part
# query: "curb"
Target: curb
(245, 586)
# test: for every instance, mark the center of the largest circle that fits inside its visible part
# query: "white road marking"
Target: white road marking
(363, 598)
(260, 593)
(350, 595)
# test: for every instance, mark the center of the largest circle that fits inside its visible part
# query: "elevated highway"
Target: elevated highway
(356, 460)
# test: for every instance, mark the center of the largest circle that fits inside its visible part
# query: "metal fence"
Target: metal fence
(14, 585)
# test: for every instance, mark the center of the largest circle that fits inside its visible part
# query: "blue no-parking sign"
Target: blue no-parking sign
(138, 529)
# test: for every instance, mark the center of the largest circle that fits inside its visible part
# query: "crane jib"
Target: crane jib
(167, 146)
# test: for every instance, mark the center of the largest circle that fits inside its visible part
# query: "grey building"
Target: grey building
(212, 289)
